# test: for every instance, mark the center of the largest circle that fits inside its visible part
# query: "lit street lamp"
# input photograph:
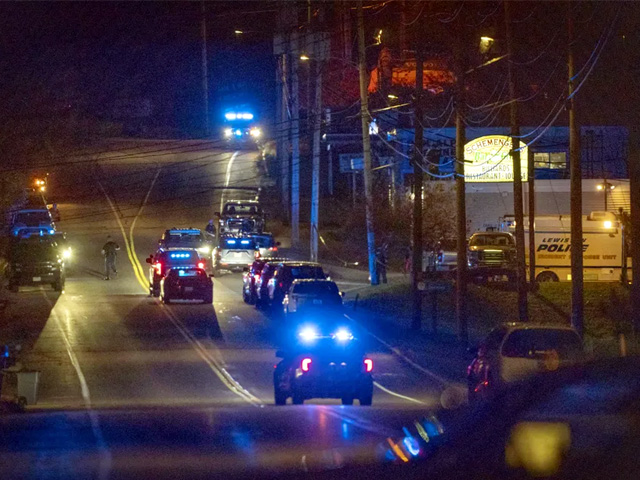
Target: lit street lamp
(605, 187)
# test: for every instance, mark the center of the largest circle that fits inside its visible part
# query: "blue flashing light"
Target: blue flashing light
(231, 116)
(245, 116)
(411, 445)
(180, 255)
(244, 242)
(343, 335)
(238, 132)
(308, 334)
(231, 242)
(52, 231)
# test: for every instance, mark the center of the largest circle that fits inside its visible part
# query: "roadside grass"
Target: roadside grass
(606, 307)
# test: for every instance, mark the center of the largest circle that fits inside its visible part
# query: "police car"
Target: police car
(326, 360)
(186, 283)
(166, 259)
(187, 238)
(235, 253)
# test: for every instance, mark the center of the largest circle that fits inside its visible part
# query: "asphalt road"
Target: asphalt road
(103, 344)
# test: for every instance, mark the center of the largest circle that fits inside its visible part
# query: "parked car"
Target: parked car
(36, 221)
(514, 351)
(164, 260)
(309, 294)
(36, 260)
(267, 245)
(186, 283)
(284, 275)
(251, 277)
(492, 254)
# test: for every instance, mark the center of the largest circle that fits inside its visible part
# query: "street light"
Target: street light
(605, 187)
(304, 57)
(485, 44)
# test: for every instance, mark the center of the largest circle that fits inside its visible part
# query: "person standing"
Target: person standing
(381, 260)
(109, 251)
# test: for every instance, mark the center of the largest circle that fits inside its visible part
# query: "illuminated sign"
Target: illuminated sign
(487, 159)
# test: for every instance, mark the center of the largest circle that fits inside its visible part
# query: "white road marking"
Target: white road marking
(427, 372)
(227, 179)
(105, 454)
(404, 397)
(224, 376)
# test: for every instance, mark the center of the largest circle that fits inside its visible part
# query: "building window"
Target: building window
(555, 160)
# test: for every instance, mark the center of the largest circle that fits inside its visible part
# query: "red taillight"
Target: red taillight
(158, 267)
(273, 249)
(256, 277)
(305, 364)
(256, 255)
(368, 365)
(200, 264)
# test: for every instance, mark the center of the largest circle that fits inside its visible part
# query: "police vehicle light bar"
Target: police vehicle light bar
(180, 255)
(238, 116)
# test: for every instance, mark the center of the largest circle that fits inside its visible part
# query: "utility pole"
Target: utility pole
(285, 123)
(461, 214)
(366, 147)
(631, 113)
(517, 174)
(577, 296)
(315, 178)
(416, 270)
(295, 143)
(532, 221)
(205, 69)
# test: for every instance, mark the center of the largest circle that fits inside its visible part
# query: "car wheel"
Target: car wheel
(347, 400)
(280, 397)
(547, 276)
(58, 285)
(297, 399)
(366, 397)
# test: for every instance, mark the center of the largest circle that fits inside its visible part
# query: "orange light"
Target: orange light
(306, 363)
(368, 364)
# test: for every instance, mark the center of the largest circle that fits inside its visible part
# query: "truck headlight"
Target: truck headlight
(228, 132)
(255, 132)
(204, 250)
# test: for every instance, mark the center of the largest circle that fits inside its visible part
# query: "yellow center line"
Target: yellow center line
(143, 282)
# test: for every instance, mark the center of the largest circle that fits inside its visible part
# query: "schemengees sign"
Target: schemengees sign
(487, 159)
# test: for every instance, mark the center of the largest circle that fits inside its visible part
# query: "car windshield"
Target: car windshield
(532, 342)
(187, 272)
(32, 219)
(307, 271)
(315, 288)
(264, 241)
(241, 209)
(491, 240)
(177, 238)
(34, 251)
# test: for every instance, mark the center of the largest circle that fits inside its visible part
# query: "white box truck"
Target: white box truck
(603, 239)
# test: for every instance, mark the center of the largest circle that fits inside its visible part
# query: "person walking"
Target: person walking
(210, 228)
(109, 251)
